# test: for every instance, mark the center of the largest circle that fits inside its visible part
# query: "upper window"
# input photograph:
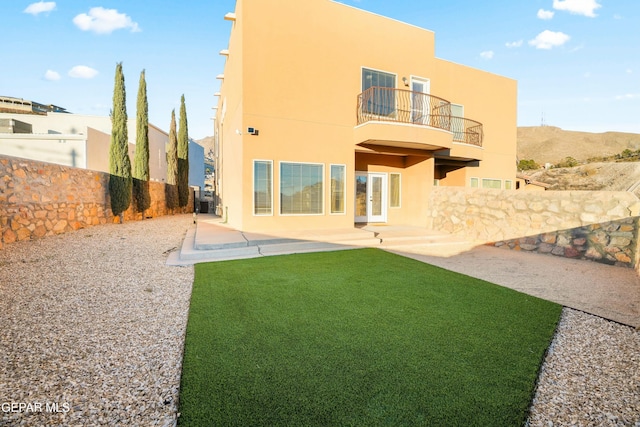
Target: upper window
(301, 188)
(381, 99)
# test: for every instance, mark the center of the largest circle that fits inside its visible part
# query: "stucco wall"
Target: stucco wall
(39, 199)
(67, 150)
(305, 108)
(597, 225)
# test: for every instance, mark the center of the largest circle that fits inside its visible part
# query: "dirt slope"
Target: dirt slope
(592, 176)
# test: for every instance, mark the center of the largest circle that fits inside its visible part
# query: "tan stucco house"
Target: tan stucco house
(329, 115)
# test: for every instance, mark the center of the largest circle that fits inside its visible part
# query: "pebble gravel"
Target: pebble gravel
(92, 330)
(590, 376)
(92, 326)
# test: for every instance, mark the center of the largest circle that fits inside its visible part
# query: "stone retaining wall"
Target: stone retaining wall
(39, 199)
(597, 225)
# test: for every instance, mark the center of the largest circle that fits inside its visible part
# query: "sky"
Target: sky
(577, 62)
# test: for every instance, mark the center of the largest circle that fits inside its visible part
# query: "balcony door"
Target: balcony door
(420, 100)
(371, 197)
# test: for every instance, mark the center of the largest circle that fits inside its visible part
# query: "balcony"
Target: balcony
(411, 120)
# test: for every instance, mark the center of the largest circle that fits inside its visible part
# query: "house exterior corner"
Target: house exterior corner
(327, 117)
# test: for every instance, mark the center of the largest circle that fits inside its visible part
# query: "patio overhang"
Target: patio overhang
(402, 136)
(461, 152)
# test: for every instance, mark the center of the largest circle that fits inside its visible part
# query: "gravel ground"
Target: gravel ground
(591, 375)
(94, 322)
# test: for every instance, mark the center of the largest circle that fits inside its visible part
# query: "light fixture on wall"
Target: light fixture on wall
(405, 81)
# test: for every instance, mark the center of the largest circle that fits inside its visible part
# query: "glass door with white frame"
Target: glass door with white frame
(371, 197)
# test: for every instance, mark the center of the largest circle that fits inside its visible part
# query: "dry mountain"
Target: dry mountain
(548, 144)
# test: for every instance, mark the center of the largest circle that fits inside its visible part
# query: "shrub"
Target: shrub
(530, 164)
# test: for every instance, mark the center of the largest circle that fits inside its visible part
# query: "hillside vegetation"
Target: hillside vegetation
(606, 161)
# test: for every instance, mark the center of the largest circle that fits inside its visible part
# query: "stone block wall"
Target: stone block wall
(39, 199)
(597, 225)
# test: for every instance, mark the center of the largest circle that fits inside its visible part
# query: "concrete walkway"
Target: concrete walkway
(606, 291)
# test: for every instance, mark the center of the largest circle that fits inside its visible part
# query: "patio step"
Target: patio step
(211, 240)
(190, 253)
(399, 235)
(434, 239)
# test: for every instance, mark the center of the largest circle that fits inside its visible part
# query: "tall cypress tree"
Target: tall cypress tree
(120, 179)
(172, 165)
(183, 157)
(141, 161)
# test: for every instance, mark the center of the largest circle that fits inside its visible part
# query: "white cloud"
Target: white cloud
(545, 14)
(629, 71)
(82, 72)
(513, 44)
(105, 21)
(487, 54)
(549, 39)
(40, 7)
(578, 7)
(627, 96)
(52, 76)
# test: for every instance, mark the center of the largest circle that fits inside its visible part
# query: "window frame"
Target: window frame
(490, 179)
(322, 201)
(458, 134)
(344, 189)
(391, 205)
(372, 111)
(270, 162)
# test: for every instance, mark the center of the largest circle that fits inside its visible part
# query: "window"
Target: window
(394, 190)
(301, 188)
(491, 183)
(262, 187)
(474, 183)
(508, 184)
(338, 182)
(381, 99)
(457, 122)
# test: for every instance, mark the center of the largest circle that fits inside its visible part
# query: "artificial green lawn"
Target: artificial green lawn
(358, 338)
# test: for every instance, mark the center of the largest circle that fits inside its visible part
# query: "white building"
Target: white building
(83, 141)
